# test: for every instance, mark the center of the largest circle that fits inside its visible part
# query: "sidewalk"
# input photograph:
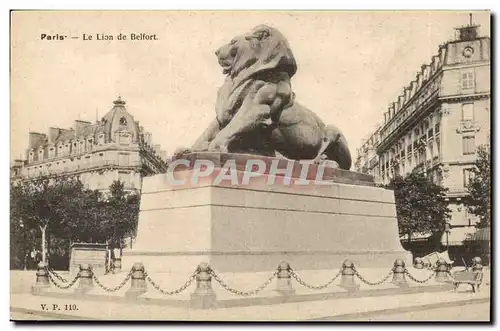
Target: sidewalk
(282, 312)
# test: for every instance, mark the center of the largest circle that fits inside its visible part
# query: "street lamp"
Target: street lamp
(447, 229)
(21, 224)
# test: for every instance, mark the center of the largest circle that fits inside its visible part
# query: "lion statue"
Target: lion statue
(256, 112)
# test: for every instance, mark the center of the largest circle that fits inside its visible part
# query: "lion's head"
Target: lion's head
(263, 48)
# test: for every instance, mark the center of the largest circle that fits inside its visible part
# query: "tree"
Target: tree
(420, 205)
(45, 203)
(478, 201)
(120, 215)
(63, 210)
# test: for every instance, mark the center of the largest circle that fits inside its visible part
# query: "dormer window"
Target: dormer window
(123, 121)
(101, 139)
(124, 138)
(52, 152)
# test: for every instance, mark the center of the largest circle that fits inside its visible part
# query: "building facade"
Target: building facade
(367, 160)
(438, 121)
(114, 148)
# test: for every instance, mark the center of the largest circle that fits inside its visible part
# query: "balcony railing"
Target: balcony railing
(57, 169)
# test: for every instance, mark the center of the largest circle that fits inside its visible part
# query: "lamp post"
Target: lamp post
(25, 254)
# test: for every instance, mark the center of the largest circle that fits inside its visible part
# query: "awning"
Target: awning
(483, 234)
(456, 236)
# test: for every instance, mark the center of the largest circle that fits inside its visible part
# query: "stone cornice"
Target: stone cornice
(104, 148)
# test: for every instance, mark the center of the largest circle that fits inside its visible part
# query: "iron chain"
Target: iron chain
(314, 287)
(364, 280)
(63, 287)
(234, 291)
(55, 274)
(174, 292)
(114, 289)
(417, 280)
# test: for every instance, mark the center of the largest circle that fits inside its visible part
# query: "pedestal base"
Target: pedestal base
(244, 228)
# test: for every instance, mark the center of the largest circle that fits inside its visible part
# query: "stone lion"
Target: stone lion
(255, 109)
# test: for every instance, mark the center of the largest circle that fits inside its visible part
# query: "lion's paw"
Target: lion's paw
(219, 147)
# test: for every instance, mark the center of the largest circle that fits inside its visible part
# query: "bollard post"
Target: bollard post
(284, 279)
(86, 281)
(347, 281)
(399, 271)
(442, 271)
(137, 281)
(117, 264)
(42, 279)
(418, 263)
(477, 264)
(203, 296)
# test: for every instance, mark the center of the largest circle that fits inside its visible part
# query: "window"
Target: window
(467, 112)
(124, 159)
(123, 121)
(468, 145)
(468, 176)
(438, 146)
(52, 152)
(124, 138)
(436, 128)
(467, 80)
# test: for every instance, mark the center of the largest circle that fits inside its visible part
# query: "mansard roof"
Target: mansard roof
(117, 119)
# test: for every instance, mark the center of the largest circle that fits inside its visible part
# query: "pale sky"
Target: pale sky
(351, 65)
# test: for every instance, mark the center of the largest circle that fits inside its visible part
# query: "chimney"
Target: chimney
(425, 72)
(79, 125)
(53, 134)
(407, 93)
(147, 138)
(35, 138)
(392, 109)
(401, 101)
(413, 88)
(419, 80)
(163, 155)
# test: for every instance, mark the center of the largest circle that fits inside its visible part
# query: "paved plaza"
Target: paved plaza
(440, 305)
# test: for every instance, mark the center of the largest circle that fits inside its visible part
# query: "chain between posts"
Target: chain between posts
(364, 280)
(234, 291)
(174, 292)
(417, 280)
(112, 289)
(61, 286)
(314, 287)
(55, 274)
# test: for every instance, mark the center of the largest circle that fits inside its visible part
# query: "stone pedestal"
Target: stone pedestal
(253, 227)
